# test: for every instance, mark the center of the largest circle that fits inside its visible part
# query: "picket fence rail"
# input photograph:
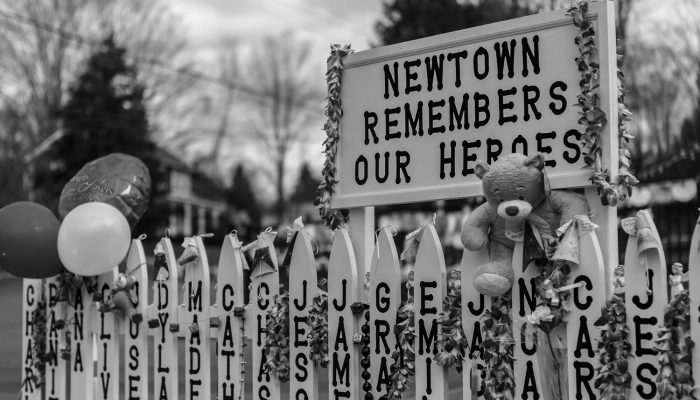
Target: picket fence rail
(180, 312)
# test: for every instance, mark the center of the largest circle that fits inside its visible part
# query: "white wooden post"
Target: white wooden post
(55, 375)
(361, 231)
(527, 373)
(193, 321)
(474, 305)
(105, 325)
(229, 334)
(647, 295)
(694, 293)
(81, 364)
(344, 359)
(135, 328)
(585, 304)
(264, 286)
(430, 289)
(32, 292)
(162, 314)
(303, 286)
(384, 301)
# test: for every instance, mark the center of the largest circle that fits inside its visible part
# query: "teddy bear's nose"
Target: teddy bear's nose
(512, 211)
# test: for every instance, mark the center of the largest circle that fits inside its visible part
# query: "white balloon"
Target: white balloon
(93, 239)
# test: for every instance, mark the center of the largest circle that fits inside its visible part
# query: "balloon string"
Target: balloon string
(136, 268)
(142, 236)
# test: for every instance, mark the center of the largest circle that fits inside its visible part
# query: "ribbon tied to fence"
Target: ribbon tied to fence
(569, 234)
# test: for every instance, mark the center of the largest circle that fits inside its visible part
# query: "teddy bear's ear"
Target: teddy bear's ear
(480, 169)
(536, 160)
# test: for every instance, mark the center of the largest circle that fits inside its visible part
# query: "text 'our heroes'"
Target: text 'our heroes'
(512, 65)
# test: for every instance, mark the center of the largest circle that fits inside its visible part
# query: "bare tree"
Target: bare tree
(288, 99)
(43, 43)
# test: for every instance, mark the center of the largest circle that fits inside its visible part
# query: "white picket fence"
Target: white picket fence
(183, 313)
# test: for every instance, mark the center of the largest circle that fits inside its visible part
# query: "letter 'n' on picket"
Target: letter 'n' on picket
(344, 358)
(429, 288)
(384, 302)
(229, 337)
(303, 287)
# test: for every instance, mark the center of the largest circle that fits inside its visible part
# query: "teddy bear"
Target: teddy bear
(516, 189)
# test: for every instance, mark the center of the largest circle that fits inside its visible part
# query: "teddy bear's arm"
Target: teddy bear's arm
(569, 204)
(476, 228)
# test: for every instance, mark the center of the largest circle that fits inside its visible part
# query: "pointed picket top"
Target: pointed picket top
(694, 293)
(430, 288)
(384, 301)
(32, 291)
(474, 304)
(585, 303)
(343, 291)
(135, 326)
(229, 337)
(194, 322)
(646, 293)
(303, 287)
(106, 324)
(162, 315)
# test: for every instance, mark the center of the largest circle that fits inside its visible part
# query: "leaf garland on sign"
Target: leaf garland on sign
(675, 378)
(613, 378)
(333, 219)
(593, 118)
(39, 355)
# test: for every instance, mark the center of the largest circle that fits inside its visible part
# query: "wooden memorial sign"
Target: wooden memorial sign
(33, 292)
(162, 318)
(105, 326)
(229, 334)
(384, 302)
(193, 321)
(418, 115)
(343, 291)
(135, 327)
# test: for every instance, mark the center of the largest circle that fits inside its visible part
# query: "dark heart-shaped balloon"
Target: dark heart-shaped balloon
(117, 179)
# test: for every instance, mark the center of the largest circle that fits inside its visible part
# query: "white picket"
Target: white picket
(81, 364)
(193, 322)
(32, 292)
(585, 305)
(343, 369)
(229, 333)
(384, 301)
(430, 288)
(135, 329)
(264, 286)
(647, 295)
(529, 379)
(105, 326)
(694, 294)
(55, 375)
(162, 315)
(474, 305)
(303, 286)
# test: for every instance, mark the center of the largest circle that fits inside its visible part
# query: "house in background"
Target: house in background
(195, 203)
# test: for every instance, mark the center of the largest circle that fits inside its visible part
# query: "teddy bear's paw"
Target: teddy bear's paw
(492, 284)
